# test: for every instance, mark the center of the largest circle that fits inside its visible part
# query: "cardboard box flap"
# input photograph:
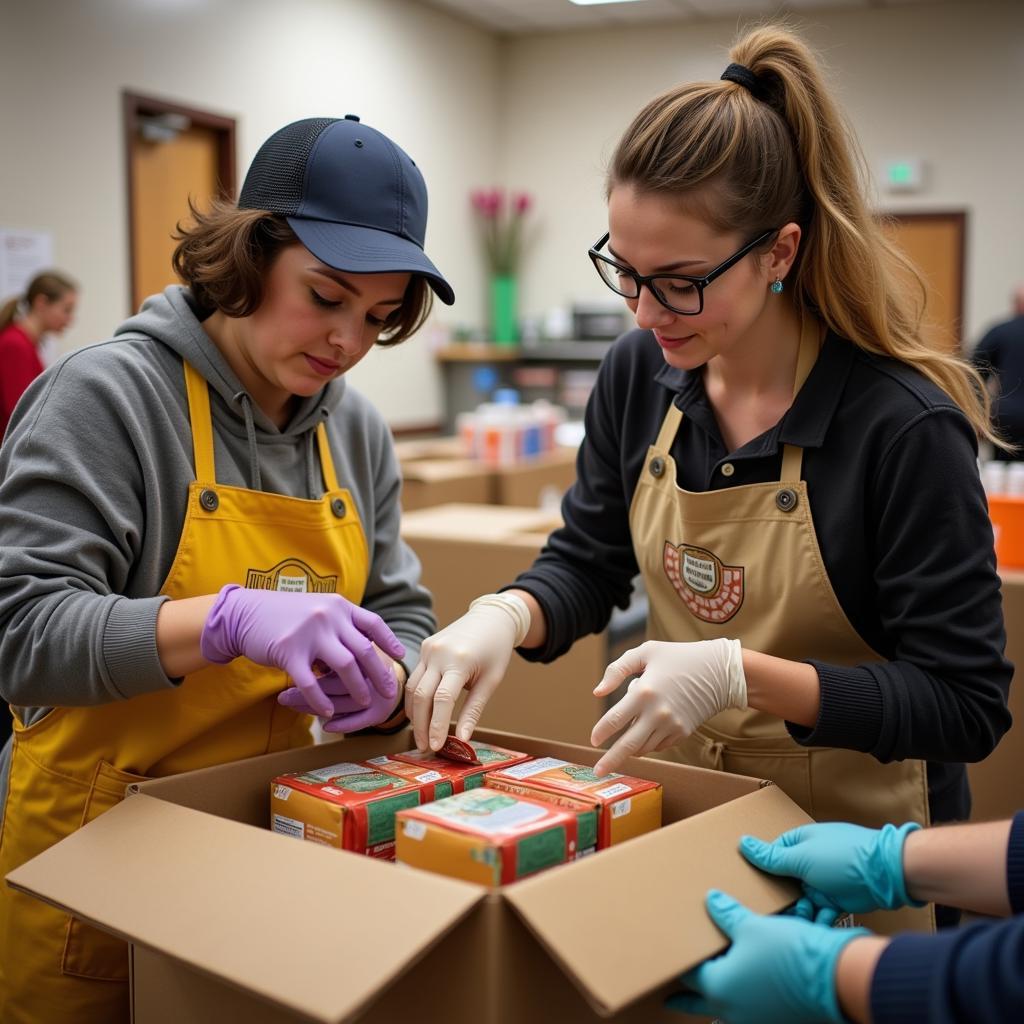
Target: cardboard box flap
(305, 932)
(661, 878)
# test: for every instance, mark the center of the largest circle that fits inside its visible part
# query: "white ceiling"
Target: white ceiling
(520, 17)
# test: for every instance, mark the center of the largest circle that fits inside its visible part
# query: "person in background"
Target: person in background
(999, 357)
(795, 969)
(47, 307)
(784, 460)
(199, 525)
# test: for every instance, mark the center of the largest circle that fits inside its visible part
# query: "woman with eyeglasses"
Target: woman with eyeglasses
(785, 460)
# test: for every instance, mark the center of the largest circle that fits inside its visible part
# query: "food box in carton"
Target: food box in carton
(626, 807)
(229, 921)
(485, 836)
(462, 773)
(349, 806)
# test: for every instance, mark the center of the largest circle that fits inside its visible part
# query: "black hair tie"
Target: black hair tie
(744, 76)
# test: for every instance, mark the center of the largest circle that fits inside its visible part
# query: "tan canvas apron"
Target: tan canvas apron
(75, 763)
(743, 562)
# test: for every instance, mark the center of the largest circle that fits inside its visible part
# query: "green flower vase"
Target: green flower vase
(504, 300)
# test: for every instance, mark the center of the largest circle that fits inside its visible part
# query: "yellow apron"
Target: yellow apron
(744, 562)
(75, 763)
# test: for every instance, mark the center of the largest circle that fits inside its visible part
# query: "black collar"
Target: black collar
(808, 419)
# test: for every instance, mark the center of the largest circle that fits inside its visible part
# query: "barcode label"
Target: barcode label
(289, 827)
(414, 829)
(622, 808)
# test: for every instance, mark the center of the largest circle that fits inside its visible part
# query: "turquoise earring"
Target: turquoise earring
(776, 287)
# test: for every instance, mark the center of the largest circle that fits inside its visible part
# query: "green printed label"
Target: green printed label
(487, 755)
(473, 782)
(586, 835)
(380, 816)
(534, 853)
(442, 789)
(369, 783)
(581, 773)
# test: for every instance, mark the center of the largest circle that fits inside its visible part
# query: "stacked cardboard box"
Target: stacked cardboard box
(439, 472)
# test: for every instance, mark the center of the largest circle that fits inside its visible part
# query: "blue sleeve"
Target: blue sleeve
(971, 975)
(1015, 864)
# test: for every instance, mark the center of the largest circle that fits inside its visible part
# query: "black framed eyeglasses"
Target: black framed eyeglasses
(678, 293)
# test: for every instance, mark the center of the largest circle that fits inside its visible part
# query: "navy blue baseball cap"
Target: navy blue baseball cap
(355, 200)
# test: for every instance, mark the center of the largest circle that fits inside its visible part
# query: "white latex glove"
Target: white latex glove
(679, 686)
(471, 653)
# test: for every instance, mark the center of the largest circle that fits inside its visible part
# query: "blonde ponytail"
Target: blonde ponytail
(788, 155)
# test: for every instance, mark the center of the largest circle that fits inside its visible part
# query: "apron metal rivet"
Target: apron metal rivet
(209, 500)
(786, 499)
(338, 508)
(657, 466)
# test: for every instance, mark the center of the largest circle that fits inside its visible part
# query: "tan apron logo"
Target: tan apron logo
(293, 576)
(713, 592)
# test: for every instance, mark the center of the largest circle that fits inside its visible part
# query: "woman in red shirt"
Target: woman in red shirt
(46, 307)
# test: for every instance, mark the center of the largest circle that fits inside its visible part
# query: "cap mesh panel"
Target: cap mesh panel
(277, 173)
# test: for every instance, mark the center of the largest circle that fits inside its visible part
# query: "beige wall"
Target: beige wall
(426, 79)
(940, 82)
(539, 113)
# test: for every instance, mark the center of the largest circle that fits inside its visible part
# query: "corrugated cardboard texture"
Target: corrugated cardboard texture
(997, 783)
(152, 870)
(662, 878)
(526, 483)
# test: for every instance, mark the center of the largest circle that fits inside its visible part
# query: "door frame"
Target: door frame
(959, 219)
(134, 106)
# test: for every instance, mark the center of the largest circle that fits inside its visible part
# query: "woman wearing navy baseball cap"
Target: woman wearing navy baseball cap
(199, 542)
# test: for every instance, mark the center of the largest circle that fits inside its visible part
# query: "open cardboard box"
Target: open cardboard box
(229, 921)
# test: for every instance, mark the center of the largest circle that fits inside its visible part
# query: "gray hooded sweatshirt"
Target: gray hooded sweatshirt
(94, 473)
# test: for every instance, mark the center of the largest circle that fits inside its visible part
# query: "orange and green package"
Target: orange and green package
(462, 775)
(627, 806)
(348, 806)
(485, 836)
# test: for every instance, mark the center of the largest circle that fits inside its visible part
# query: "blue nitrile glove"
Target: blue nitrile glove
(778, 970)
(842, 867)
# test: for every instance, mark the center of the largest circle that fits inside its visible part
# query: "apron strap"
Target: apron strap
(326, 460)
(202, 428)
(807, 355)
(669, 427)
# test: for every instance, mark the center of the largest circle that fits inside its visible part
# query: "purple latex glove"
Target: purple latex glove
(292, 631)
(348, 716)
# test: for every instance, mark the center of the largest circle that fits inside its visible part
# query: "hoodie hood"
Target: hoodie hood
(172, 319)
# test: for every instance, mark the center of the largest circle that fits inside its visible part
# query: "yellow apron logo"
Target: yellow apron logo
(713, 592)
(293, 576)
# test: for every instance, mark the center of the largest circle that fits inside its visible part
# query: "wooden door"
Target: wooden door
(174, 154)
(934, 242)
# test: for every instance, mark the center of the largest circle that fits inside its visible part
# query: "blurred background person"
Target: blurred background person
(47, 307)
(999, 358)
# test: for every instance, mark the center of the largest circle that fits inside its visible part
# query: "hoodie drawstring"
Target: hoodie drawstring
(313, 486)
(250, 432)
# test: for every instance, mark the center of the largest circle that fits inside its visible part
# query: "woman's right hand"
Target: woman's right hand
(471, 653)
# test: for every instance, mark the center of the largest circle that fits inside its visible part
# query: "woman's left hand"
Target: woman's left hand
(679, 686)
(777, 970)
